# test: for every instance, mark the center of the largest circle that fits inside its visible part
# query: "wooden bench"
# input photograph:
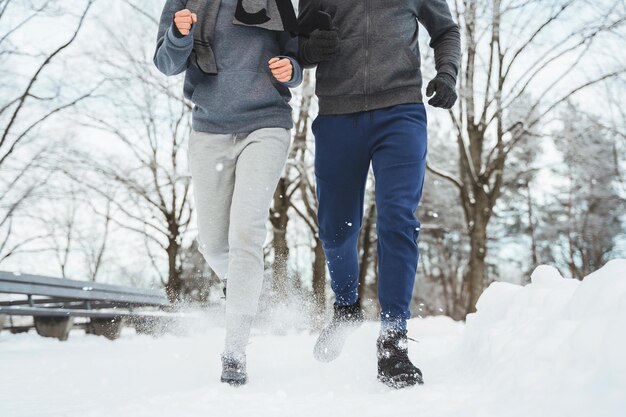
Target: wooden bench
(54, 303)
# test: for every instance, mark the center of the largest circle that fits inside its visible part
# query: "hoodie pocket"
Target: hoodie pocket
(392, 65)
(343, 74)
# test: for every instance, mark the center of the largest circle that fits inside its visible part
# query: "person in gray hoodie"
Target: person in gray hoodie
(239, 59)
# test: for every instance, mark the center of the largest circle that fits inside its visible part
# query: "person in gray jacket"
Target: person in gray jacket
(371, 111)
(239, 60)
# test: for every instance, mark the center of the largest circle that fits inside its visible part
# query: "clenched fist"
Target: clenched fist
(183, 21)
(282, 69)
(321, 46)
(443, 87)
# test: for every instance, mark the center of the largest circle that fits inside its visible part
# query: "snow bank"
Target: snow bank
(557, 345)
(554, 348)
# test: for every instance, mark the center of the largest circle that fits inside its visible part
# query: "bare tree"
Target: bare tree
(94, 245)
(20, 186)
(24, 108)
(155, 201)
(616, 126)
(444, 244)
(442, 270)
(368, 255)
(288, 185)
(62, 234)
(147, 121)
(279, 218)
(512, 48)
(584, 219)
(304, 188)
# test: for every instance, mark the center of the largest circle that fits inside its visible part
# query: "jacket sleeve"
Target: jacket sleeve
(289, 49)
(307, 23)
(173, 49)
(445, 37)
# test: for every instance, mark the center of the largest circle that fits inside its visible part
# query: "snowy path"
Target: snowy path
(554, 348)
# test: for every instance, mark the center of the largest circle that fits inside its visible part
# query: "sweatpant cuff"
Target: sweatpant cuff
(389, 323)
(238, 328)
(346, 299)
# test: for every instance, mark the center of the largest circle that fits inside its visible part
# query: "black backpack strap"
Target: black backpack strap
(287, 15)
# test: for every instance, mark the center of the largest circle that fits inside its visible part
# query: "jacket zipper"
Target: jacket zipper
(367, 51)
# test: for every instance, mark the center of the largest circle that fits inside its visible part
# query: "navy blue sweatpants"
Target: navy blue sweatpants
(394, 141)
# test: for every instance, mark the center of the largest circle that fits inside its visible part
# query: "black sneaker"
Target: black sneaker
(395, 369)
(234, 371)
(346, 319)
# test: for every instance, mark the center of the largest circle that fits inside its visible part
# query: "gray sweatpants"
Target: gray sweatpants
(234, 179)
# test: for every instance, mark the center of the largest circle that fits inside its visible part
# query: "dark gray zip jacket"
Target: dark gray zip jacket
(378, 61)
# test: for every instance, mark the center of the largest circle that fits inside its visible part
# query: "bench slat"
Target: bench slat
(79, 294)
(71, 283)
(80, 290)
(58, 312)
(47, 300)
(71, 303)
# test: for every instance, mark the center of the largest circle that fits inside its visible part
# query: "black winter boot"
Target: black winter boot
(234, 370)
(395, 369)
(346, 319)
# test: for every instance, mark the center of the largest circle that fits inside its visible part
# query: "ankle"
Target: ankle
(347, 300)
(238, 328)
(391, 326)
(232, 355)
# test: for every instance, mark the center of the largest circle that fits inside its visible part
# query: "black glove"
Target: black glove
(321, 46)
(444, 85)
(323, 42)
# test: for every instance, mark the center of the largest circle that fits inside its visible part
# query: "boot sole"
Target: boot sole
(234, 382)
(328, 349)
(400, 382)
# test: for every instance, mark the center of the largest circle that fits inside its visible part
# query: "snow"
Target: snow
(552, 348)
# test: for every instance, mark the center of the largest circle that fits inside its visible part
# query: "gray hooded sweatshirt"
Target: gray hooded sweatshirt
(243, 96)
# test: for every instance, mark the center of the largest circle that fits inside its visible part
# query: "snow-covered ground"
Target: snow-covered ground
(553, 348)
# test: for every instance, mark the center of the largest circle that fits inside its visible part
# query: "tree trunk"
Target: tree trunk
(531, 231)
(280, 220)
(174, 282)
(366, 249)
(478, 253)
(319, 279)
